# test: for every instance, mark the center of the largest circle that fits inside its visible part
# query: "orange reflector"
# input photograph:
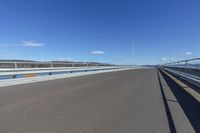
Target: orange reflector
(29, 75)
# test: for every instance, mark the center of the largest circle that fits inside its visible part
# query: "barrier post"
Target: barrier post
(15, 65)
(186, 62)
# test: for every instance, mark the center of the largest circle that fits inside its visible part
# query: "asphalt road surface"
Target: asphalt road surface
(117, 102)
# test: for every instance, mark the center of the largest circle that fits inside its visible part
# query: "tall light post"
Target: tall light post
(133, 52)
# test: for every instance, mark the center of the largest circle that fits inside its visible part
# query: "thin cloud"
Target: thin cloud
(98, 52)
(164, 59)
(64, 59)
(23, 44)
(188, 53)
(7, 45)
(31, 44)
(172, 58)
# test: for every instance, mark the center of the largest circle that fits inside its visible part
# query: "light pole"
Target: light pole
(133, 52)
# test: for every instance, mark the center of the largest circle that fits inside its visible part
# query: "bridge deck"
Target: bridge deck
(118, 102)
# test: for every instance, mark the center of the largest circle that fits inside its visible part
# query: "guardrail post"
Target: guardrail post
(186, 62)
(15, 65)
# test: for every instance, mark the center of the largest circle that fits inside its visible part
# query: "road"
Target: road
(116, 102)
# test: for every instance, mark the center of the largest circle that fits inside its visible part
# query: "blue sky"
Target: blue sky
(100, 30)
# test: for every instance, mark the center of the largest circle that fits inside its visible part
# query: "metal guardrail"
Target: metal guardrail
(191, 66)
(195, 62)
(40, 69)
(188, 70)
(23, 74)
(193, 79)
(51, 64)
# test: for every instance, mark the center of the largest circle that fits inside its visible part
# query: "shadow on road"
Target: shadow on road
(169, 115)
(188, 103)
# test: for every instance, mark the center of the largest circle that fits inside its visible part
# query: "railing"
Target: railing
(28, 73)
(195, 62)
(191, 66)
(187, 69)
(32, 64)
